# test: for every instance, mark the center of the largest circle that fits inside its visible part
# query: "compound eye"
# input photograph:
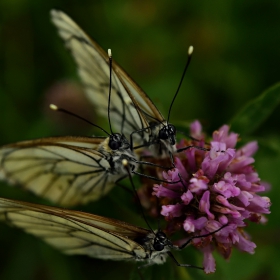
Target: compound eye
(158, 246)
(114, 145)
(115, 142)
(163, 134)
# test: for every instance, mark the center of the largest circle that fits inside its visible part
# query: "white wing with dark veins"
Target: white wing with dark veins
(74, 232)
(65, 170)
(93, 68)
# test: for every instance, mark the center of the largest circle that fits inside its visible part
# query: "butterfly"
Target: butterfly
(67, 170)
(93, 164)
(80, 233)
(133, 112)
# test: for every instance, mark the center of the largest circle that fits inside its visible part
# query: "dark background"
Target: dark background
(236, 57)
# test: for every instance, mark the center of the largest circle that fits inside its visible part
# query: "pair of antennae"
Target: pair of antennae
(55, 108)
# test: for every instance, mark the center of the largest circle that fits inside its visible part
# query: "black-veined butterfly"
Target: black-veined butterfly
(133, 112)
(79, 233)
(67, 170)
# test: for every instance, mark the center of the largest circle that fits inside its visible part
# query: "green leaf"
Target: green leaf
(257, 111)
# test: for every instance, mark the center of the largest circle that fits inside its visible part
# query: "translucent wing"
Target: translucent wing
(65, 170)
(128, 99)
(75, 232)
(79, 233)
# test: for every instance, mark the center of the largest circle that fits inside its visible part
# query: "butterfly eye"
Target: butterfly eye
(163, 133)
(114, 145)
(158, 245)
(115, 142)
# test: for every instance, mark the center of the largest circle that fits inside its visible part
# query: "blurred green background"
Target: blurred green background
(236, 57)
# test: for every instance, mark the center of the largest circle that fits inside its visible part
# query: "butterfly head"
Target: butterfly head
(161, 241)
(118, 141)
(154, 241)
(168, 132)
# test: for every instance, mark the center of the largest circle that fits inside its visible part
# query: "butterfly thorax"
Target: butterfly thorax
(116, 148)
(162, 139)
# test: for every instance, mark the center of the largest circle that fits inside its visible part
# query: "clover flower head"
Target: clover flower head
(217, 188)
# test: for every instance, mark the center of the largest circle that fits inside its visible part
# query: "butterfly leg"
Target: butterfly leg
(188, 147)
(143, 157)
(201, 236)
(183, 265)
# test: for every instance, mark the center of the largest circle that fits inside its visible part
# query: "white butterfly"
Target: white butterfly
(79, 233)
(67, 170)
(132, 110)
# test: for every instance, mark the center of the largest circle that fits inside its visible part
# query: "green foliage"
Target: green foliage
(253, 114)
(236, 57)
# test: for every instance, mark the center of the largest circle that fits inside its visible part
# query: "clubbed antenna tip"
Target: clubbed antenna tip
(190, 50)
(53, 107)
(109, 53)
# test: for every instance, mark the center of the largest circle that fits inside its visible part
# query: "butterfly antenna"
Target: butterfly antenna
(201, 236)
(190, 52)
(110, 88)
(126, 166)
(55, 108)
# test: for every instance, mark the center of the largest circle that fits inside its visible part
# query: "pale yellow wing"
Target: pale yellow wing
(65, 170)
(128, 100)
(74, 232)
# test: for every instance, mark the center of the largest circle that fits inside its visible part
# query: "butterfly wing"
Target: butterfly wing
(65, 170)
(128, 100)
(74, 232)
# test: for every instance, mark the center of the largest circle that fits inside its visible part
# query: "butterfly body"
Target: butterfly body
(67, 170)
